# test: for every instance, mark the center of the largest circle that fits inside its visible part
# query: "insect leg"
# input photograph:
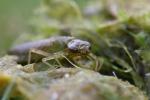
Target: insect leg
(51, 57)
(56, 56)
(36, 51)
(70, 61)
(98, 64)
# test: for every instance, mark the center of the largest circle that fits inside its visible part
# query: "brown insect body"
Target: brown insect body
(41, 45)
(50, 45)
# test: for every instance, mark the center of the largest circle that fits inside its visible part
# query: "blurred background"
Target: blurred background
(14, 19)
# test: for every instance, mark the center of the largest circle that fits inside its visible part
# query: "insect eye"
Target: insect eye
(72, 45)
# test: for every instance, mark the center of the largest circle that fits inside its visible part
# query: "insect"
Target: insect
(53, 48)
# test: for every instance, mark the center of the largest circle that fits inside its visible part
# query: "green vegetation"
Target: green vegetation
(14, 20)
